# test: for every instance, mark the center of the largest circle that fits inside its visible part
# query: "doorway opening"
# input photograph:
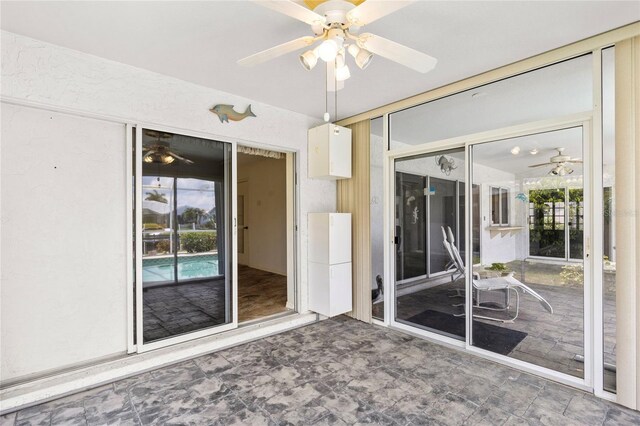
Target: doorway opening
(265, 278)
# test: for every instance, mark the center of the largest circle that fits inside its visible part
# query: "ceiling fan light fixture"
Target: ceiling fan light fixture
(561, 170)
(328, 50)
(309, 59)
(363, 59)
(353, 50)
(158, 158)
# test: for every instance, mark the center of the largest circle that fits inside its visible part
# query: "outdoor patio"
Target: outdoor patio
(551, 340)
(337, 372)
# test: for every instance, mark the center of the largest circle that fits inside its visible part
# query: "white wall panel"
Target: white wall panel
(63, 294)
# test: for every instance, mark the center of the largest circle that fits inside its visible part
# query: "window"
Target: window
(499, 206)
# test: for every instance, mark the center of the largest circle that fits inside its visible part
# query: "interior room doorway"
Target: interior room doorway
(265, 287)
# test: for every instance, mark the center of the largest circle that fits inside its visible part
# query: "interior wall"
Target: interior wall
(49, 76)
(266, 211)
(499, 246)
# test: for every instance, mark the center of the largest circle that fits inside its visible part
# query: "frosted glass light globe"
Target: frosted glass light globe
(328, 50)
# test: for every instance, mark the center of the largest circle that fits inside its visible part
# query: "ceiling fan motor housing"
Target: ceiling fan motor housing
(335, 11)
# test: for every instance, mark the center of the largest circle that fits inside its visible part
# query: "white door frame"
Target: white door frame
(231, 199)
(579, 120)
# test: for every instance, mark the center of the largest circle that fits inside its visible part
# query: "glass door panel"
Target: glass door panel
(528, 296)
(186, 284)
(475, 223)
(442, 212)
(576, 222)
(426, 210)
(411, 250)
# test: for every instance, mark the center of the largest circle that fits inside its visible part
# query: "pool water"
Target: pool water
(161, 269)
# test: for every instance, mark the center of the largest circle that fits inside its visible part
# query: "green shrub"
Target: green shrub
(163, 246)
(497, 267)
(198, 242)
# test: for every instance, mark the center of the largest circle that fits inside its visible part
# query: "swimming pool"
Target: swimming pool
(157, 270)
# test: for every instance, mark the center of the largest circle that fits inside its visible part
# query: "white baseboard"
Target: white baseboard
(50, 388)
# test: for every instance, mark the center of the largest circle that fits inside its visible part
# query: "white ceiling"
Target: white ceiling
(498, 155)
(201, 41)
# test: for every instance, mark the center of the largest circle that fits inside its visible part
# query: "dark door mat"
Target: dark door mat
(491, 337)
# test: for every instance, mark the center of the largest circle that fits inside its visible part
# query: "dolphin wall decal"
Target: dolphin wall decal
(226, 113)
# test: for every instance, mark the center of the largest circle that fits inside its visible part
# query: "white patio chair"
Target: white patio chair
(507, 284)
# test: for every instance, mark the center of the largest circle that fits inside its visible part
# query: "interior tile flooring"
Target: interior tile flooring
(174, 310)
(334, 372)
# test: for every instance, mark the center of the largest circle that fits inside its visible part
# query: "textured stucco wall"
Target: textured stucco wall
(52, 76)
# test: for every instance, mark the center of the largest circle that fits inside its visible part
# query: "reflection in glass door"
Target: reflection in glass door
(529, 293)
(185, 210)
(442, 212)
(410, 227)
(429, 285)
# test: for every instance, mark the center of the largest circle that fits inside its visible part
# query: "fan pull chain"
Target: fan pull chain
(335, 86)
(326, 94)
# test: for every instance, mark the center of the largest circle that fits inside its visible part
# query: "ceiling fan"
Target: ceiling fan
(560, 163)
(158, 152)
(336, 25)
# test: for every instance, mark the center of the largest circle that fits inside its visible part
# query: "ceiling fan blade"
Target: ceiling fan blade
(542, 164)
(372, 10)
(173, 154)
(575, 160)
(397, 52)
(294, 10)
(276, 51)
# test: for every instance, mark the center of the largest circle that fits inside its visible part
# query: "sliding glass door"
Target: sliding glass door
(505, 272)
(429, 285)
(184, 280)
(529, 294)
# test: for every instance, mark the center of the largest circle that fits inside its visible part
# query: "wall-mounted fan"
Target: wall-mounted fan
(560, 163)
(336, 23)
(158, 152)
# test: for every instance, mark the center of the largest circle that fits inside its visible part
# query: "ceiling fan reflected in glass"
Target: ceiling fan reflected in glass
(560, 163)
(158, 152)
(336, 25)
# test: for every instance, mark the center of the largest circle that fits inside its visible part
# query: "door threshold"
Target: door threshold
(266, 318)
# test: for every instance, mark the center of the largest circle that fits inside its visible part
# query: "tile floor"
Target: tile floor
(337, 372)
(174, 310)
(552, 340)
